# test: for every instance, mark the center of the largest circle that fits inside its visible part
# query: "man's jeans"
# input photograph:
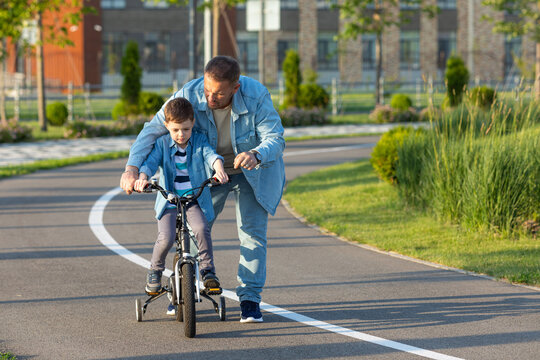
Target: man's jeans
(252, 221)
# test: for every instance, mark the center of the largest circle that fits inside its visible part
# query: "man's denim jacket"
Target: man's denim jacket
(255, 125)
(199, 157)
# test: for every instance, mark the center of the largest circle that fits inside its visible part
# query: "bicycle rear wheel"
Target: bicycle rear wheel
(188, 296)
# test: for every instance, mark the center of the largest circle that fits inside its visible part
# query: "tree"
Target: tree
(132, 72)
(63, 14)
(527, 23)
(293, 78)
(373, 17)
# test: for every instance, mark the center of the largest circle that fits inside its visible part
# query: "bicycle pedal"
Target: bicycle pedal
(213, 291)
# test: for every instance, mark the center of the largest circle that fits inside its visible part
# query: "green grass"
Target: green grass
(13, 170)
(351, 201)
(7, 356)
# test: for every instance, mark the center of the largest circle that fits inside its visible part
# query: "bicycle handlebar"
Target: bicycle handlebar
(174, 198)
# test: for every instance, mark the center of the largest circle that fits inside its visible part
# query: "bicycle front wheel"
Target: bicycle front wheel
(188, 295)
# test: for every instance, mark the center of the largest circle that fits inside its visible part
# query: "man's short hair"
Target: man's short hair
(178, 110)
(223, 68)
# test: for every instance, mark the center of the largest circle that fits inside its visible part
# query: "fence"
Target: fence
(95, 102)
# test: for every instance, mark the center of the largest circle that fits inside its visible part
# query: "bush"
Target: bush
(14, 132)
(313, 96)
(384, 157)
(299, 117)
(401, 102)
(57, 113)
(383, 114)
(482, 96)
(118, 111)
(81, 129)
(457, 78)
(150, 103)
(293, 79)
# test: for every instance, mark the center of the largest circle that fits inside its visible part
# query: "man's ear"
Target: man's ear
(236, 87)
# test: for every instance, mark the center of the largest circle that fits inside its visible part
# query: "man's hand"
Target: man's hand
(127, 182)
(247, 160)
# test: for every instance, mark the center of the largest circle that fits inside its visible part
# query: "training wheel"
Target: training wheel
(138, 309)
(222, 310)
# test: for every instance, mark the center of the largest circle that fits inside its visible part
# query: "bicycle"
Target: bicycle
(184, 285)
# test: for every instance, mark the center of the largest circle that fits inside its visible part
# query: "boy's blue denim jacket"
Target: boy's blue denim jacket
(255, 125)
(199, 156)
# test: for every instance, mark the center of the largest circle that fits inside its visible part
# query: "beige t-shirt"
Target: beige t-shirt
(222, 118)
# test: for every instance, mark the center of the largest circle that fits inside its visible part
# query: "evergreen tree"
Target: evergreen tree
(132, 72)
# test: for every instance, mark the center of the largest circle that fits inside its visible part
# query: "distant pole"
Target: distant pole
(334, 96)
(215, 28)
(207, 35)
(261, 45)
(70, 102)
(191, 30)
(40, 76)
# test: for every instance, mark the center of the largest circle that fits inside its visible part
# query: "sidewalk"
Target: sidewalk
(20, 153)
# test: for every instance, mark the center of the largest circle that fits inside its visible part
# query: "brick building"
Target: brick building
(418, 48)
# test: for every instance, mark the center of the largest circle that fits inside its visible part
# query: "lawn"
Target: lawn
(349, 200)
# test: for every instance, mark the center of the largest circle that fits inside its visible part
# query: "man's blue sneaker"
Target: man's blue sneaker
(153, 281)
(251, 312)
(171, 310)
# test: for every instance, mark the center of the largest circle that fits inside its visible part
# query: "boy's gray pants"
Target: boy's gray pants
(167, 232)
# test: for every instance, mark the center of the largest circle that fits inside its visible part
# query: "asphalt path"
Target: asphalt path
(64, 295)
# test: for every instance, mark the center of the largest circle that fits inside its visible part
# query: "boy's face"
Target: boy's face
(180, 132)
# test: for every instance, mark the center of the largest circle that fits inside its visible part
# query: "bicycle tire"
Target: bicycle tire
(178, 307)
(188, 295)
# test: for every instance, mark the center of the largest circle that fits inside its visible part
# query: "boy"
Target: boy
(184, 160)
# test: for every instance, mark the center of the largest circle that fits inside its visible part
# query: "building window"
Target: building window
(156, 55)
(512, 50)
(283, 46)
(248, 55)
(369, 59)
(289, 4)
(113, 4)
(327, 58)
(409, 50)
(447, 4)
(326, 4)
(447, 46)
(113, 51)
(408, 5)
(151, 4)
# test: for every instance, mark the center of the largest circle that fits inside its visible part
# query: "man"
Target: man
(238, 116)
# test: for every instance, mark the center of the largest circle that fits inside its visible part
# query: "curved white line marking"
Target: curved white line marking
(95, 221)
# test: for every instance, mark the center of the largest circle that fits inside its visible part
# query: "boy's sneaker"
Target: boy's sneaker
(251, 312)
(153, 281)
(210, 280)
(171, 310)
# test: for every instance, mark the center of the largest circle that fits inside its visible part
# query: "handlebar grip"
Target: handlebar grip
(148, 188)
(214, 181)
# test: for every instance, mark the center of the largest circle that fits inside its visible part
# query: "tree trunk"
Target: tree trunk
(379, 58)
(40, 77)
(215, 28)
(3, 117)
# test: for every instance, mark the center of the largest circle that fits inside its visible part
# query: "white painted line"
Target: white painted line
(95, 220)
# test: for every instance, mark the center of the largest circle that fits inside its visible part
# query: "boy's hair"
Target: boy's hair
(223, 68)
(178, 110)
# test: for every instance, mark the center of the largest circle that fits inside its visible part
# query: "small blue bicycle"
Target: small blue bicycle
(184, 286)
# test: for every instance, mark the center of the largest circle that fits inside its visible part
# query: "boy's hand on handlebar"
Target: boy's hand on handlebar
(141, 182)
(222, 177)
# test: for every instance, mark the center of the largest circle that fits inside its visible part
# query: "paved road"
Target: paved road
(66, 296)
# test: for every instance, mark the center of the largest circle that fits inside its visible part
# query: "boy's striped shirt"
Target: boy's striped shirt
(182, 184)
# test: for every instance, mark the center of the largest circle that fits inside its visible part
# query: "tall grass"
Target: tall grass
(479, 168)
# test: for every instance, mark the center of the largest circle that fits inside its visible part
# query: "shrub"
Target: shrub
(81, 129)
(313, 96)
(150, 103)
(57, 113)
(401, 102)
(118, 111)
(293, 78)
(384, 157)
(457, 78)
(382, 114)
(131, 71)
(482, 96)
(14, 132)
(300, 117)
